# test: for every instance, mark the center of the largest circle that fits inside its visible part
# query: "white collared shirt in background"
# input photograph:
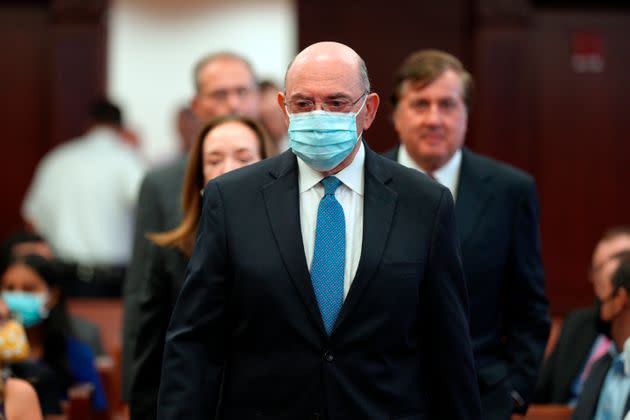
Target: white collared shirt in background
(82, 198)
(447, 175)
(350, 195)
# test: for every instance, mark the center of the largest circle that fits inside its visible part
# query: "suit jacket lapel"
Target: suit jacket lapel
(591, 389)
(473, 192)
(379, 202)
(283, 209)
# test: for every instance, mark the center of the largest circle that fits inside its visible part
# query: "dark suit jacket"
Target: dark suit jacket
(155, 300)
(567, 358)
(159, 209)
(497, 215)
(588, 399)
(400, 348)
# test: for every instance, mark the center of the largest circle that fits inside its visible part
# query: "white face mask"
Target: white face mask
(323, 139)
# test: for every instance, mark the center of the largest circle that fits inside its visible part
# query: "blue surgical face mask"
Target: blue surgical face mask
(323, 139)
(29, 307)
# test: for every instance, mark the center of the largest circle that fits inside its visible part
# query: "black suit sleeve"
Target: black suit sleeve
(445, 311)
(526, 326)
(194, 351)
(148, 219)
(154, 310)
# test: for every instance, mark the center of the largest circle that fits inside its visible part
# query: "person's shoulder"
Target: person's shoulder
(58, 154)
(168, 172)
(500, 171)
(21, 395)
(259, 173)
(580, 316)
(410, 185)
(78, 351)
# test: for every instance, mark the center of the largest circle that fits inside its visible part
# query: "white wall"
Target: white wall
(154, 44)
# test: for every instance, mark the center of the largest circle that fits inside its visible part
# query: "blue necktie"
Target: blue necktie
(329, 255)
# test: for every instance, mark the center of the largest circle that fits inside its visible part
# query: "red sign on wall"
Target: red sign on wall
(587, 52)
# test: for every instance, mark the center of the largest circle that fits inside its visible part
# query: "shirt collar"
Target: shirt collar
(447, 175)
(352, 176)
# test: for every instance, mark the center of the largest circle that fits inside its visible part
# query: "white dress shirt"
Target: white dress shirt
(447, 175)
(350, 195)
(82, 198)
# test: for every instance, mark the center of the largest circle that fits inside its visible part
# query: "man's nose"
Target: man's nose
(234, 102)
(434, 116)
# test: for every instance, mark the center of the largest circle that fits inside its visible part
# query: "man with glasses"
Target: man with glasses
(326, 282)
(224, 84)
(497, 215)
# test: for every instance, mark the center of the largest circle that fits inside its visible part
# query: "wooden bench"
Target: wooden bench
(107, 315)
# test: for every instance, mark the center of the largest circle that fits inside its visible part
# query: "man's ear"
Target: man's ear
(371, 106)
(283, 108)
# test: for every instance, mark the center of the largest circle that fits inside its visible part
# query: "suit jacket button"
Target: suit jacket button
(328, 356)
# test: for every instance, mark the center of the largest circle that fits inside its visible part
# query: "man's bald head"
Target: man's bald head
(329, 53)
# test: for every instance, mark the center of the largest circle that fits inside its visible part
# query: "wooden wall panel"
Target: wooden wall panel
(530, 108)
(53, 67)
(24, 120)
(582, 146)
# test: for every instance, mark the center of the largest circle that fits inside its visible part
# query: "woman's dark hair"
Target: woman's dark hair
(56, 327)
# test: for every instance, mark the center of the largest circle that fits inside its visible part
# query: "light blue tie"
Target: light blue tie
(329, 255)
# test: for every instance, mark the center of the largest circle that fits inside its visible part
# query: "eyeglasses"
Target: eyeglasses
(221, 95)
(340, 104)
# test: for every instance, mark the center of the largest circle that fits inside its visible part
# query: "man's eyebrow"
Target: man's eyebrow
(335, 95)
(338, 95)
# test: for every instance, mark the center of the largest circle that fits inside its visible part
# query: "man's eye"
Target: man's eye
(419, 105)
(218, 95)
(447, 104)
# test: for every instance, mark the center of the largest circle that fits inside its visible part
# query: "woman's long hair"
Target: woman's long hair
(183, 236)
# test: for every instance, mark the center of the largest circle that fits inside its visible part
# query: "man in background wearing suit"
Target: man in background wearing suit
(580, 344)
(497, 216)
(606, 393)
(323, 286)
(224, 84)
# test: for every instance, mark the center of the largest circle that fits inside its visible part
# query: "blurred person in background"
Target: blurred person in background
(579, 344)
(224, 84)
(497, 213)
(30, 243)
(188, 127)
(31, 291)
(82, 200)
(18, 399)
(606, 391)
(227, 143)
(272, 117)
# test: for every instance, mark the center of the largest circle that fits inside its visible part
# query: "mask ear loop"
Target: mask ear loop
(356, 114)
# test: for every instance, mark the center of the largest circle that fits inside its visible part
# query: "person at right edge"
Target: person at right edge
(496, 209)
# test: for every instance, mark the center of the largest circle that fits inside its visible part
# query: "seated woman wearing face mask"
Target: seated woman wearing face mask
(32, 294)
(18, 400)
